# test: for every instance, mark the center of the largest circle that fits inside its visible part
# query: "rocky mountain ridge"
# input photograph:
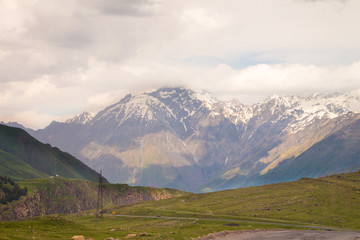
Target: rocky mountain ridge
(301, 108)
(186, 139)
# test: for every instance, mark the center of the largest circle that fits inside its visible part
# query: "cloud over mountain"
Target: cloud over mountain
(82, 55)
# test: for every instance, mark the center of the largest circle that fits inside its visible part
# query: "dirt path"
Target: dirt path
(282, 235)
(230, 220)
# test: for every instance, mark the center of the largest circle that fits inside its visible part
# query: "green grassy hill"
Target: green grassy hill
(329, 202)
(23, 157)
(17, 169)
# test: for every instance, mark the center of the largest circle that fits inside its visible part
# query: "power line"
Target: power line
(99, 205)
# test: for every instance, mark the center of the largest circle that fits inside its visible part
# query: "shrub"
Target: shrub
(10, 190)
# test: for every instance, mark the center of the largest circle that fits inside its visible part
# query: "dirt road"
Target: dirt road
(283, 235)
(319, 233)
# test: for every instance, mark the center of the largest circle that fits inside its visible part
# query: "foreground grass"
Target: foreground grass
(65, 227)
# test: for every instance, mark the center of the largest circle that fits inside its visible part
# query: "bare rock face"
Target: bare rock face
(78, 237)
(130, 235)
(64, 196)
(31, 206)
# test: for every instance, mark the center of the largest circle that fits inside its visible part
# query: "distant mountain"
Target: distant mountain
(16, 125)
(185, 139)
(23, 157)
(82, 118)
(337, 153)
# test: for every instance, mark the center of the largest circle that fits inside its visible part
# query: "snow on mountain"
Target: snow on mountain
(169, 105)
(139, 106)
(180, 104)
(237, 112)
(352, 100)
(319, 106)
(82, 118)
(208, 100)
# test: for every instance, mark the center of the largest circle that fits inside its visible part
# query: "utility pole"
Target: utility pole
(99, 205)
(55, 175)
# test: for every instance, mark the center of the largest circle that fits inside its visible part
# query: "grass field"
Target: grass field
(65, 227)
(332, 202)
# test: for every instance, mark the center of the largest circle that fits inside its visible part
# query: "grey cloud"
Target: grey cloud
(125, 7)
(340, 1)
(70, 28)
(89, 49)
(58, 40)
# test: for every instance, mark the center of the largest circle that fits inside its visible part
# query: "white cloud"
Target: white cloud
(33, 118)
(58, 58)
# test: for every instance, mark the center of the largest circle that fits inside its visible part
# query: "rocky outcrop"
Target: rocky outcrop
(64, 196)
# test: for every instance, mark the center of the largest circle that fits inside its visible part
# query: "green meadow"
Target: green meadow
(330, 203)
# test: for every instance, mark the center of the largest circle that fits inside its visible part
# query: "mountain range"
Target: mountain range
(190, 140)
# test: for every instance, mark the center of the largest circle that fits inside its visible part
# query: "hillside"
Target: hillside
(289, 164)
(23, 157)
(327, 201)
(65, 196)
(337, 153)
(189, 140)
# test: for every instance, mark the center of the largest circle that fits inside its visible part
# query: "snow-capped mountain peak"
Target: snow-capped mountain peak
(208, 99)
(305, 110)
(82, 118)
(179, 105)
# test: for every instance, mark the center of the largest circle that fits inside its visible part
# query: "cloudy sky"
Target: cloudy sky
(61, 57)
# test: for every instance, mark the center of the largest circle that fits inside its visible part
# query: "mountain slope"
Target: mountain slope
(180, 138)
(291, 149)
(14, 167)
(339, 152)
(23, 157)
